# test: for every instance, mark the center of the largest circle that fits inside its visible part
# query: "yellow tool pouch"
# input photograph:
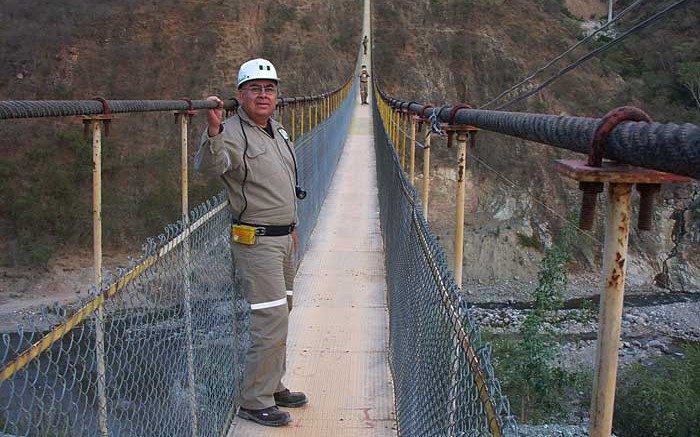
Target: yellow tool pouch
(243, 234)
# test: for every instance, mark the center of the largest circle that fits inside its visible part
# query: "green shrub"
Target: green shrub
(660, 400)
(529, 241)
(48, 211)
(536, 388)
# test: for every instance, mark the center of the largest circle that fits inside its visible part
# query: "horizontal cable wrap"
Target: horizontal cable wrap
(660, 146)
(60, 108)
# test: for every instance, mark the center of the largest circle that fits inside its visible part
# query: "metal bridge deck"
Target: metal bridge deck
(338, 334)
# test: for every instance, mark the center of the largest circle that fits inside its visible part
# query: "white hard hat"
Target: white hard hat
(256, 69)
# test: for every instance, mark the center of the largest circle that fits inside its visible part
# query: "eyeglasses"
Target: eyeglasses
(257, 90)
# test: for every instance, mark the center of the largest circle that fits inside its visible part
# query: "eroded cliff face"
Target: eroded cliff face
(457, 51)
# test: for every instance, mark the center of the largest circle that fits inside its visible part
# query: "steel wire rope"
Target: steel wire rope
(651, 20)
(564, 53)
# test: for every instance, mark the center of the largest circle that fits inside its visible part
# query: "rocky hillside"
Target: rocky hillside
(79, 49)
(469, 51)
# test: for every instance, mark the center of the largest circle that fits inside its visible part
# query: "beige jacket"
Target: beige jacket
(270, 181)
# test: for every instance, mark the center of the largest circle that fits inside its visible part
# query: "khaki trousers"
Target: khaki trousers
(363, 91)
(266, 270)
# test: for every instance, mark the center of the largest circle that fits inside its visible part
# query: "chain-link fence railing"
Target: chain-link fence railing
(443, 377)
(165, 361)
(318, 152)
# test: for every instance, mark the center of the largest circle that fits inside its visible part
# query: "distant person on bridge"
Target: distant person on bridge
(364, 79)
(254, 157)
(364, 43)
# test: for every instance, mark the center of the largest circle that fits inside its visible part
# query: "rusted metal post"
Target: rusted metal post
(390, 124)
(459, 221)
(403, 128)
(397, 134)
(301, 115)
(621, 178)
(293, 122)
(395, 127)
(316, 103)
(96, 123)
(184, 120)
(412, 151)
(426, 173)
(610, 319)
(310, 117)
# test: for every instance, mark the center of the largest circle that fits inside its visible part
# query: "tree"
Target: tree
(689, 73)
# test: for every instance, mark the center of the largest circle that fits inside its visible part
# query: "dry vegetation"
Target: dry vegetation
(75, 49)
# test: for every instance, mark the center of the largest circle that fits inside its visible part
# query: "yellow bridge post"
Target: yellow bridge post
(610, 319)
(293, 122)
(412, 151)
(394, 128)
(426, 172)
(459, 205)
(310, 118)
(403, 116)
(96, 125)
(184, 117)
(316, 103)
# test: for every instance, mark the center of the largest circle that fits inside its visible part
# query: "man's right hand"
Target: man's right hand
(215, 116)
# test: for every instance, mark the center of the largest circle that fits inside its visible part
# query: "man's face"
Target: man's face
(258, 99)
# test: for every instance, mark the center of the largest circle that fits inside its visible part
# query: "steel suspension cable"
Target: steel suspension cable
(566, 52)
(654, 18)
(659, 146)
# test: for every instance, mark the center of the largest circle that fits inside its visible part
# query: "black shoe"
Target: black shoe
(270, 416)
(290, 399)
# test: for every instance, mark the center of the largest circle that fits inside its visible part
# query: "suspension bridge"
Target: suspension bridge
(381, 339)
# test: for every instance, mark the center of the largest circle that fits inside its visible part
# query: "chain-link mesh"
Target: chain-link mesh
(170, 320)
(443, 378)
(318, 152)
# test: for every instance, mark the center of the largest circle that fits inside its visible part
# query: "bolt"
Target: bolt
(646, 205)
(86, 129)
(588, 203)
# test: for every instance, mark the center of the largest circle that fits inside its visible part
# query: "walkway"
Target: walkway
(338, 333)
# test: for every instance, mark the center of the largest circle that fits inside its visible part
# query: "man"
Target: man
(364, 78)
(254, 157)
(364, 43)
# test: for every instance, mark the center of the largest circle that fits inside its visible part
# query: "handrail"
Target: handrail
(13, 109)
(665, 147)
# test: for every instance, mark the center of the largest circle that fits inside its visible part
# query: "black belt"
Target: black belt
(272, 231)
